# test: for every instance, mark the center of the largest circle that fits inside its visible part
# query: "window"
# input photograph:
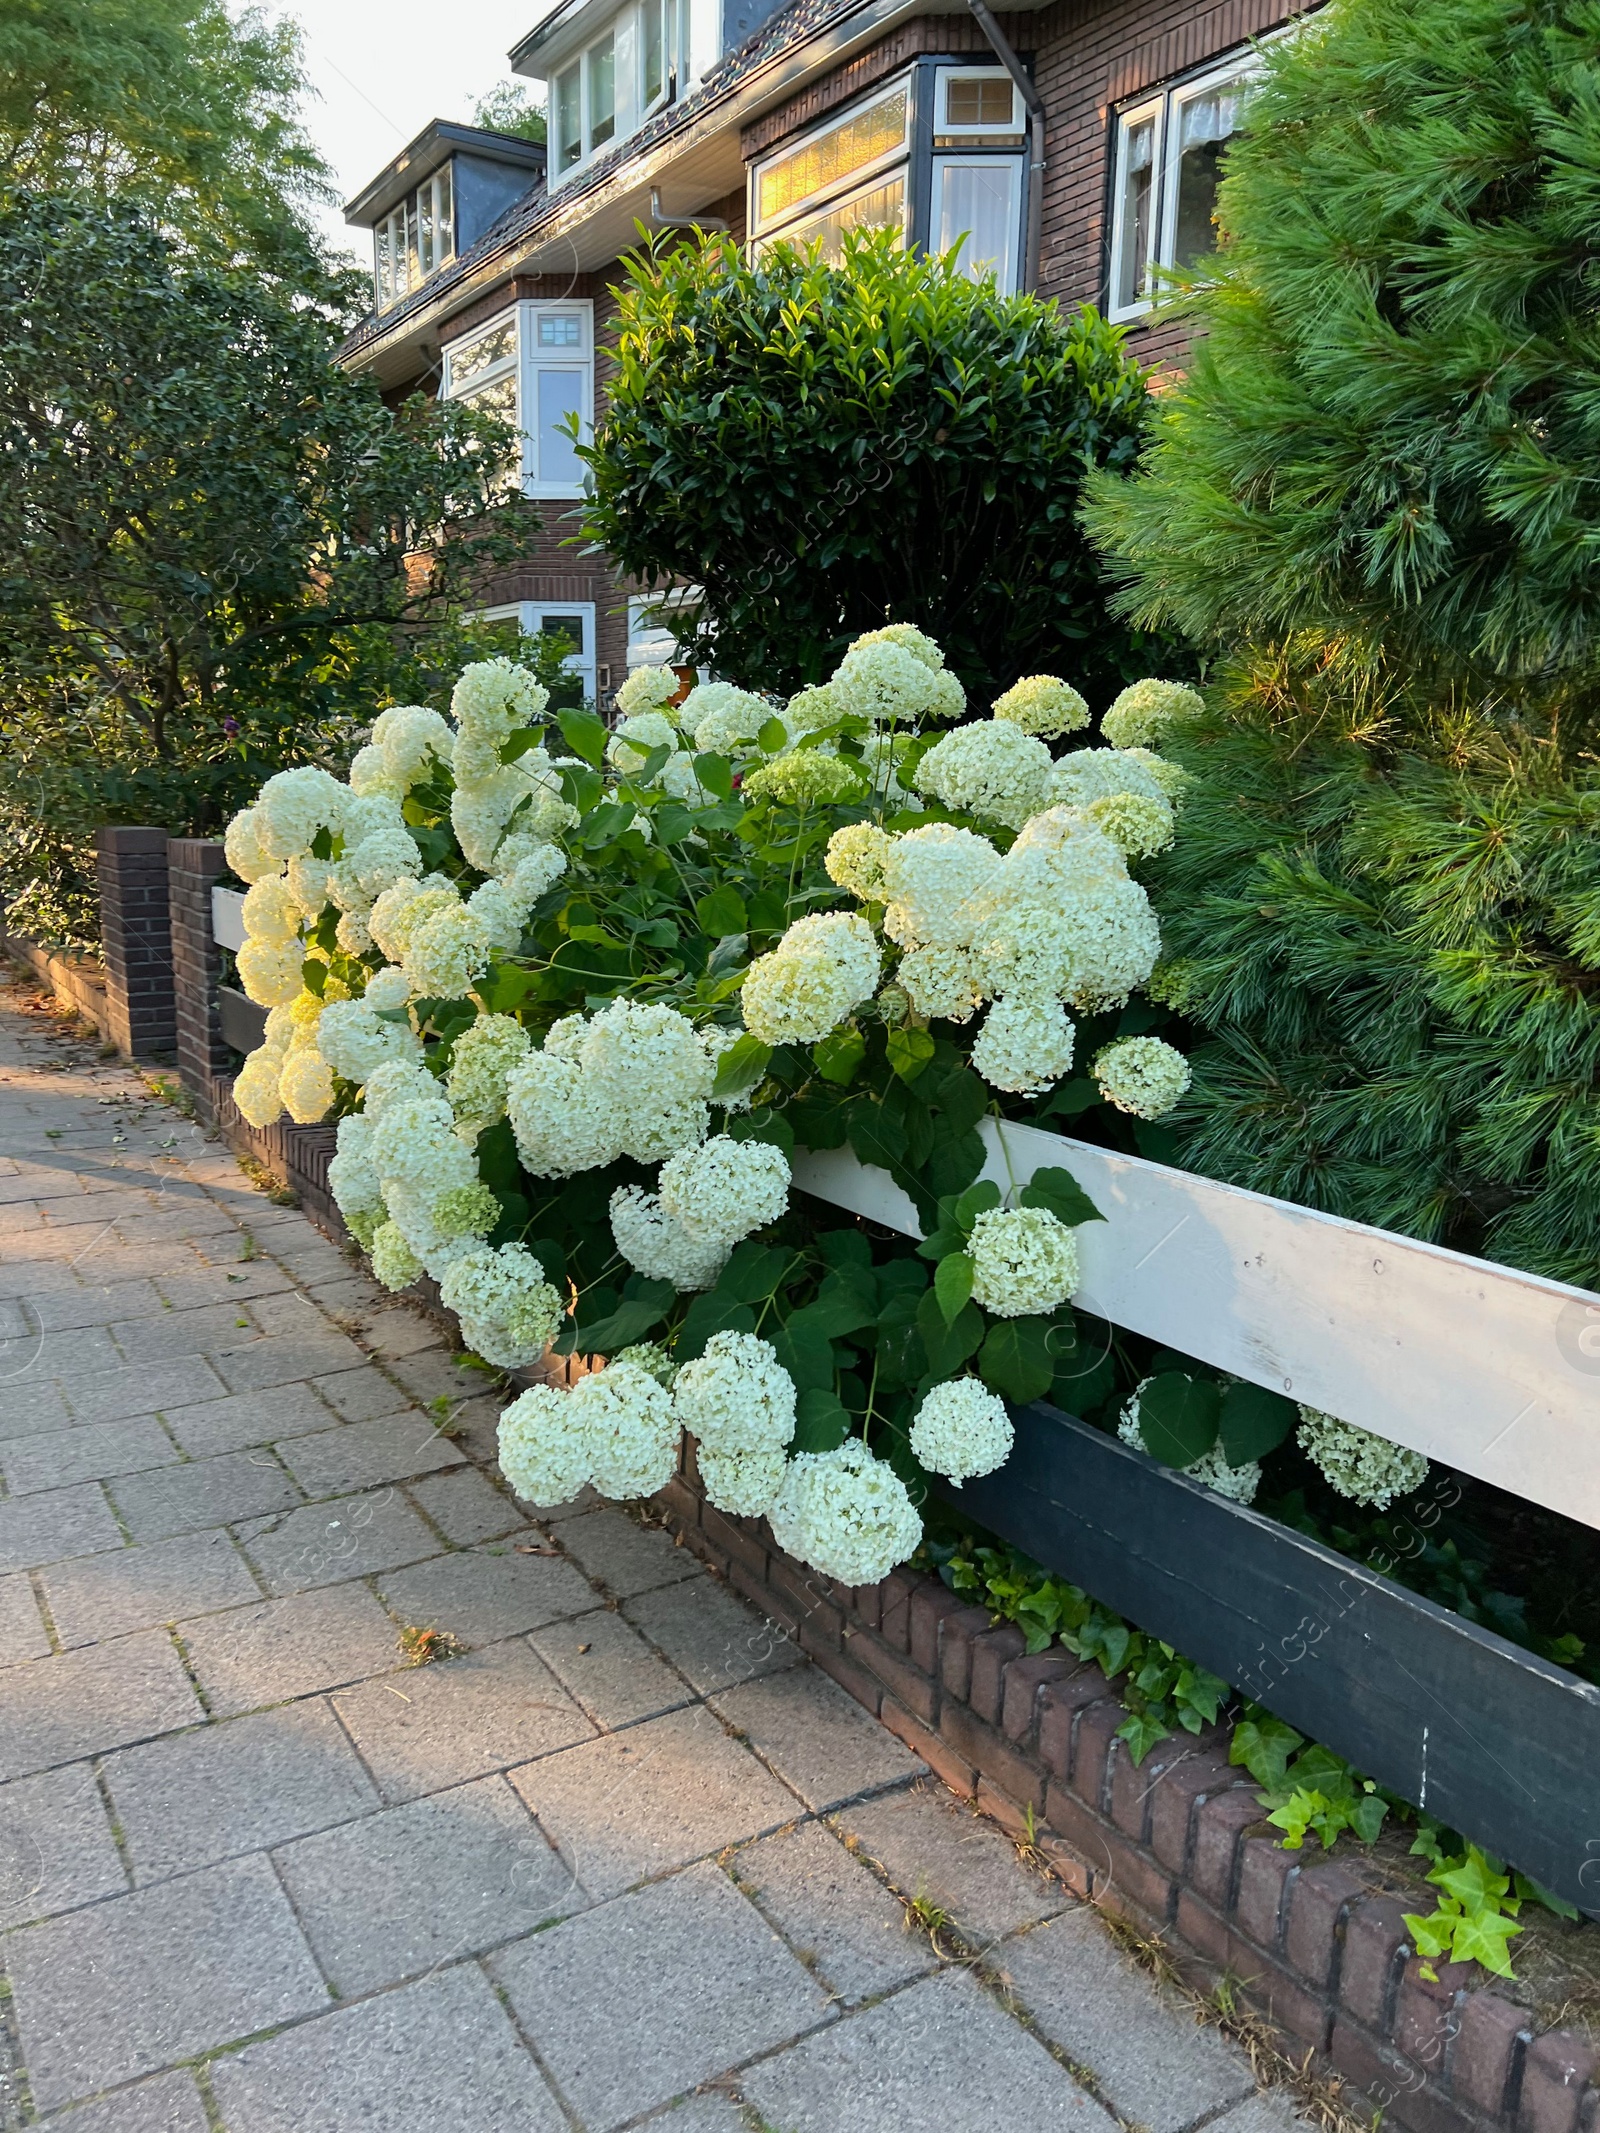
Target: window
(572, 620)
(977, 204)
(591, 104)
(1169, 156)
(415, 239)
(660, 54)
(788, 182)
(534, 363)
(975, 102)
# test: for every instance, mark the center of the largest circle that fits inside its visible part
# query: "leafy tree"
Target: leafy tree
(173, 102)
(823, 450)
(1377, 496)
(509, 108)
(221, 553)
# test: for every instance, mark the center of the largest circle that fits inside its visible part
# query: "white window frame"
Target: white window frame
(945, 129)
(1166, 103)
(528, 360)
(625, 34)
(838, 192)
(396, 239)
(1008, 274)
(530, 617)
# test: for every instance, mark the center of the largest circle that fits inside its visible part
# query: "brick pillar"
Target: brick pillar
(135, 940)
(194, 866)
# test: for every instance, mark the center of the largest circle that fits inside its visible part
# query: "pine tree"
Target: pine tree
(1375, 503)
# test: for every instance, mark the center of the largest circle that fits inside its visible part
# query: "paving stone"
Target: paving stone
(219, 1790)
(711, 1637)
(31, 1410)
(233, 1281)
(817, 1738)
(101, 1304)
(246, 1418)
(1263, 2112)
(30, 1358)
(456, 1719)
(701, 2114)
(37, 1529)
(203, 1492)
(292, 1314)
(361, 1455)
(635, 1804)
(22, 1631)
(173, 1224)
(278, 1359)
(834, 1911)
(169, 2104)
(426, 1375)
(291, 1647)
(172, 1333)
(98, 1596)
(624, 1557)
(56, 1846)
(403, 1891)
(931, 1846)
(359, 1395)
(130, 1986)
(1152, 2061)
(466, 1506)
(394, 1330)
(64, 1456)
(347, 1537)
(143, 1389)
(480, 1595)
(614, 1674)
(695, 1983)
(405, 2062)
(941, 2057)
(87, 1702)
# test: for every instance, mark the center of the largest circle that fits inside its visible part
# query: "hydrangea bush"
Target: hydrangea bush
(575, 996)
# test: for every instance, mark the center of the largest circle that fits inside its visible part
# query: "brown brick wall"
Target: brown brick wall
(136, 940)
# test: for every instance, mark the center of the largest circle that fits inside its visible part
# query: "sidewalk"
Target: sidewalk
(624, 1859)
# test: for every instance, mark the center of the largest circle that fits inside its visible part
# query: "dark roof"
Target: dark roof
(438, 140)
(521, 221)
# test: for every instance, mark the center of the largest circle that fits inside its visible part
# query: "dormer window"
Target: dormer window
(415, 239)
(586, 103)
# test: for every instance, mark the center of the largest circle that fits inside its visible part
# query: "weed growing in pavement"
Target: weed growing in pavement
(423, 1646)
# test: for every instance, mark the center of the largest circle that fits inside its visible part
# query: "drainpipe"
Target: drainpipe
(680, 222)
(1035, 109)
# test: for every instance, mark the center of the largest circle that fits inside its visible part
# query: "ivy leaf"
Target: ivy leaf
(710, 1314)
(722, 912)
(739, 1068)
(1178, 1418)
(585, 735)
(773, 737)
(948, 1344)
(822, 1423)
(1059, 1192)
(952, 1284)
(839, 1055)
(1253, 1422)
(1015, 1359)
(1482, 1937)
(1263, 1746)
(1142, 1731)
(1367, 1816)
(910, 1052)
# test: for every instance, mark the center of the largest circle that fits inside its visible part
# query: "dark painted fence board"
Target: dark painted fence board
(1492, 1740)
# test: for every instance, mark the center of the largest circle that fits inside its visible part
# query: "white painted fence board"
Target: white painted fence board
(227, 918)
(1491, 1371)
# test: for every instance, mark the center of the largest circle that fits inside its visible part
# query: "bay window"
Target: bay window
(535, 364)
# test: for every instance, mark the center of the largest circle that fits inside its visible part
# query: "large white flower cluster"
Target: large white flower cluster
(1120, 794)
(991, 768)
(846, 1513)
(962, 1430)
(819, 973)
(654, 1245)
(1042, 705)
(1145, 710)
(1143, 1076)
(888, 682)
(647, 688)
(509, 1313)
(1357, 1463)
(630, 1080)
(615, 1429)
(738, 1402)
(1211, 1469)
(1024, 1259)
(721, 1191)
(724, 720)
(481, 1062)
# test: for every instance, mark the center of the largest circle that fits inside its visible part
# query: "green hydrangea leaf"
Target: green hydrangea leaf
(1178, 1417)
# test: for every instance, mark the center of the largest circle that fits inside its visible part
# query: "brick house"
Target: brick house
(1072, 148)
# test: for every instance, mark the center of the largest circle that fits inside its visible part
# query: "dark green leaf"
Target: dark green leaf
(585, 735)
(503, 987)
(630, 1322)
(517, 743)
(821, 1422)
(1015, 1359)
(722, 912)
(313, 975)
(740, 1068)
(498, 1163)
(1178, 1417)
(710, 1314)
(962, 1099)
(773, 736)
(955, 1161)
(322, 844)
(948, 1346)
(1072, 1098)
(910, 1052)
(1253, 1422)
(952, 1285)
(715, 774)
(977, 1200)
(838, 1308)
(1059, 1192)
(805, 1351)
(753, 1273)
(842, 1248)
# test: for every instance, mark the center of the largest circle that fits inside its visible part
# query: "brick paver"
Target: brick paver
(627, 1860)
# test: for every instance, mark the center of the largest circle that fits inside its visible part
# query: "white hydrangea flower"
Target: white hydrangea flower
(632, 1430)
(405, 905)
(355, 1042)
(512, 805)
(1065, 918)
(269, 971)
(351, 1177)
(270, 911)
(509, 1313)
(1357, 1463)
(387, 989)
(651, 1069)
(412, 1142)
(721, 1191)
(945, 984)
(651, 1356)
(1024, 1259)
(562, 1121)
(678, 779)
(243, 849)
(544, 1446)
(962, 1430)
(396, 1083)
(647, 689)
(394, 1263)
(1121, 796)
(855, 859)
(845, 1513)
(384, 856)
(447, 953)
(1170, 777)
(742, 1484)
(1238, 1483)
(809, 710)
(909, 638)
(737, 1396)
(293, 806)
(371, 778)
(723, 719)
(1136, 824)
(1043, 706)
(495, 697)
(822, 969)
(411, 738)
(634, 737)
(654, 1245)
(255, 1087)
(1141, 1075)
(888, 685)
(1146, 709)
(1025, 1044)
(992, 769)
(808, 777)
(481, 1059)
(469, 1211)
(933, 880)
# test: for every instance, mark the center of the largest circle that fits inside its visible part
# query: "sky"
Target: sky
(383, 68)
